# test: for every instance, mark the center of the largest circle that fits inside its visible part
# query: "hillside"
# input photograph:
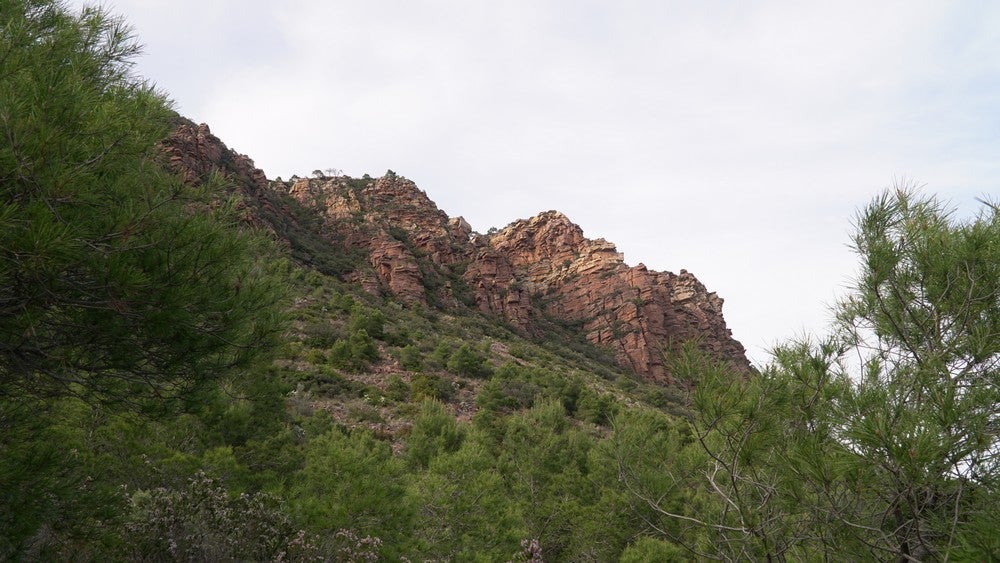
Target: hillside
(198, 363)
(388, 238)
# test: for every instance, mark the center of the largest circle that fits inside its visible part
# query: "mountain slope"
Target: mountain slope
(387, 236)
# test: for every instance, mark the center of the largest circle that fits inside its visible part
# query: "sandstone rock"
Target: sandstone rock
(417, 254)
(398, 269)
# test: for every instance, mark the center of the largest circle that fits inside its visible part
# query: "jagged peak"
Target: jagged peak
(415, 252)
(545, 218)
(552, 238)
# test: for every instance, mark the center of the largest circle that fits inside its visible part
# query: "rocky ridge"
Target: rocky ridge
(533, 271)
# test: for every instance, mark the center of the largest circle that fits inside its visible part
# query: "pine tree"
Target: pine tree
(118, 282)
(880, 442)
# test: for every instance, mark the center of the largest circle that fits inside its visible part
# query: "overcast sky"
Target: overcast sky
(731, 139)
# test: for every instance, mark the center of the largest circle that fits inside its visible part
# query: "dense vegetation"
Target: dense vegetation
(171, 387)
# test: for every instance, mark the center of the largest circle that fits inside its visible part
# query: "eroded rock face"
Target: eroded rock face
(411, 245)
(534, 269)
(195, 153)
(638, 313)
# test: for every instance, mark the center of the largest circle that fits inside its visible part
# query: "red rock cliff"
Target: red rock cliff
(532, 270)
(638, 313)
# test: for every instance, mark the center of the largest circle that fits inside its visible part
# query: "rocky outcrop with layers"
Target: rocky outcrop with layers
(639, 313)
(534, 269)
(196, 154)
(532, 272)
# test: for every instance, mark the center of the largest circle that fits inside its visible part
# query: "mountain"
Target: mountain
(388, 237)
(378, 382)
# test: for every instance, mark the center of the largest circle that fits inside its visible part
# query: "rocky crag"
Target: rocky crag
(390, 238)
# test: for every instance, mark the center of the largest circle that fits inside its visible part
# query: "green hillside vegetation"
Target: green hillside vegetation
(176, 386)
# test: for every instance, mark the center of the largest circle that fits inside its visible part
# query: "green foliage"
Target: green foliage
(315, 356)
(397, 389)
(46, 497)
(506, 395)
(430, 386)
(434, 432)
(352, 481)
(327, 383)
(879, 442)
(410, 358)
(653, 549)
(465, 510)
(321, 335)
(659, 466)
(372, 321)
(516, 387)
(342, 302)
(466, 361)
(594, 408)
(202, 522)
(118, 282)
(544, 461)
(355, 353)
(925, 319)
(441, 354)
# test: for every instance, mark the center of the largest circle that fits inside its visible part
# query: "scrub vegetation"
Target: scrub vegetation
(174, 386)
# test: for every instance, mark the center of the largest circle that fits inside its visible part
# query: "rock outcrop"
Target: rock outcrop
(196, 154)
(532, 272)
(534, 269)
(638, 313)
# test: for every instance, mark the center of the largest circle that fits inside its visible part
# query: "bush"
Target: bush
(201, 522)
(652, 549)
(355, 353)
(371, 321)
(594, 408)
(327, 383)
(321, 335)
(434, 432)
(341, 302)
(466, 361)
(397, 389)
(315, 356)
(441, 354)
(429, 386)
(507, 395)
(520, 351)
(352, 481)
(410, 358)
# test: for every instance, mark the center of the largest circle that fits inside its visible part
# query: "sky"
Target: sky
(735, 140)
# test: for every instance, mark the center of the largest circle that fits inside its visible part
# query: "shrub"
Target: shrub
(410, 358)
(434, 432)
(371, 321)
(594, 408)
(352, 481)
(466, 361)
(441, 354)
(507, 395)
(429, 386)
(397, 389)
(652, 549)
(315, 356)
(355, 353)
(341, 302)
(321, 335)
(201, 522)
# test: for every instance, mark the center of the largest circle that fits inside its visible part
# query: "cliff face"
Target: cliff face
(533, 271)
(638, 313)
